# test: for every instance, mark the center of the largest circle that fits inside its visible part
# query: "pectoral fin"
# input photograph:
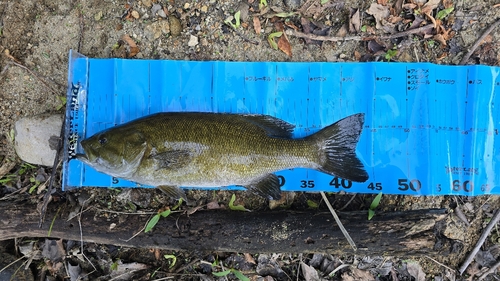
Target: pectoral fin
(267, 186)
(173, 159)
(173, 191)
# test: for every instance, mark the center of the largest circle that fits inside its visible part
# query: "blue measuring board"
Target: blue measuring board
(429, 129)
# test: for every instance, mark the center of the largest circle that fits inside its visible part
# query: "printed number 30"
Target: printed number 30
(305, 184)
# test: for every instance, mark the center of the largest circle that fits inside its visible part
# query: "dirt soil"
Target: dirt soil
(35, 39)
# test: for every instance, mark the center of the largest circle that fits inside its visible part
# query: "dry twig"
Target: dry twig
(339, 223)
(478, 42)
(358, 38)
(486, 232)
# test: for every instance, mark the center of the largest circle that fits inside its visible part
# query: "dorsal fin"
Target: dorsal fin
(273, 126)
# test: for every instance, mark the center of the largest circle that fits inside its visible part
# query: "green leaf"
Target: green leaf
(152, 222)
(173, 258)
(371, 213)
(262, 4)
(270, 39)
(178, 205)
(221, 274)
(237, 18)
(165, 213)
(390, 54)
(443, 13)
(363, 28)
(114, 266)
(376, 201)
(240, 275)
(312, 204)
(324, 2)
(236, 207)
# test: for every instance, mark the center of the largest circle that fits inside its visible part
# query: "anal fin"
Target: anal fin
(267, 186)
(173, 191)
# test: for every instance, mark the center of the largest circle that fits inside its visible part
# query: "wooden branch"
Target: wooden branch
(395, 233)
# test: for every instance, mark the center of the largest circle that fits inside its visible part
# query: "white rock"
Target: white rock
(193, 41)
(32, 135)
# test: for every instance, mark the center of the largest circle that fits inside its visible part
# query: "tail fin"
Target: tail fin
(338, 143)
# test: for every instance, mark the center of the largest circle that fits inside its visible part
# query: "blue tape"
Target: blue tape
(429, 129)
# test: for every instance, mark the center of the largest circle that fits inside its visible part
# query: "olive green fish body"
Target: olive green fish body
(209, 150)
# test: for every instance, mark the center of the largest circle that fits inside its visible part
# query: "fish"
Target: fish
(170, 150)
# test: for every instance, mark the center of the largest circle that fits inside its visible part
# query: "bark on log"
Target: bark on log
(395, 233)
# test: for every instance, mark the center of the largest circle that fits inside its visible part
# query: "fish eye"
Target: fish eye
(103, 140)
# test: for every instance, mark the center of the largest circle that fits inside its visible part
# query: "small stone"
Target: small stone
(154, 30)
(147, 3)
(193, 41)
(204, 9)
(135, 15)
(186, 6)
(175, 26)
(294, 4)
(161, 13)
(155, 9)
(32, 138)
(204, 42)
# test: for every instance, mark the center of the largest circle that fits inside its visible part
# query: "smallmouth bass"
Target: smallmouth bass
(174, 149)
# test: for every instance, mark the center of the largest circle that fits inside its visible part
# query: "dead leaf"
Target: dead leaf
(358, 274)
(284, 45)
(439, 38)
(409, 6)
(342, 31)
(357, 55)
(53, 250)
(487, 39)
(382, 2)
(375, 47)
(449, 3)
(133, 47)
(309, 272)
(213, 205)
(379, 12)
(74, 271)
(157, 254)
(256, 25)
(354, 21)
(249, 258)
(429, 6)
(415, 271)
(394, 19)
(398, 7)
(291, 25)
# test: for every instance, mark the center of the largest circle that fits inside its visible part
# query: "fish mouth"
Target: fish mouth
(83, 158)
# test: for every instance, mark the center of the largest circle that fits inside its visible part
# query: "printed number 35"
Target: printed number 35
(304, 183)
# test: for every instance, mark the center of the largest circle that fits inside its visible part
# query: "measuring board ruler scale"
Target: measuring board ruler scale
(429, 129)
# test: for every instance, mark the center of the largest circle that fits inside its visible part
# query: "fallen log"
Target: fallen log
(393, 233)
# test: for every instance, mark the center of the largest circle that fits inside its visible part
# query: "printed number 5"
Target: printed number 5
(305, 184)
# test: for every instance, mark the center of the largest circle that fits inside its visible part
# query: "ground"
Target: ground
(36, 36)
